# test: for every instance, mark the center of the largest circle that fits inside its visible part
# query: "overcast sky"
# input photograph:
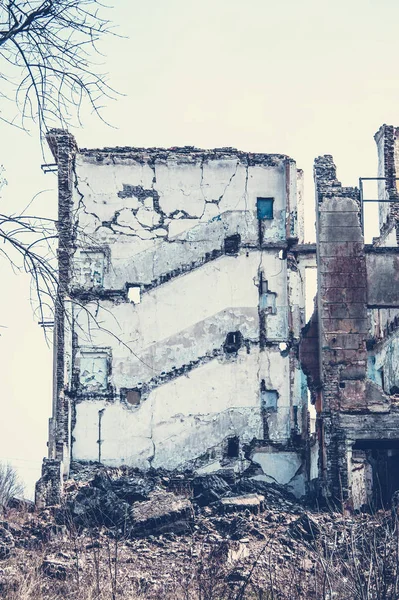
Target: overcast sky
(302, 78)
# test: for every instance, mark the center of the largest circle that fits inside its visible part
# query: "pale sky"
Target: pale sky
(301, 78)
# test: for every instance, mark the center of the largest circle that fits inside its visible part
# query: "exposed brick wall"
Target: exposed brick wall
(342, 299)
(64, 149)
(342, 315)
(352, 406)
(389, 143)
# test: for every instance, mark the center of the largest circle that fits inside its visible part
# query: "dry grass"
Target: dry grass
(341, 559)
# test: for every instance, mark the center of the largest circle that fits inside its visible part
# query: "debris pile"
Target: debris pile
(166, 535)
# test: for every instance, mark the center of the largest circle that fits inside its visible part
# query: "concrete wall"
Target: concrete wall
(186, 310)
(134, 207)
(176, 323)
(382, 278)
(384, 364)
(184, 418)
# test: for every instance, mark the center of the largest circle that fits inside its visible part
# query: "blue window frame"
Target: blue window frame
(264, 208)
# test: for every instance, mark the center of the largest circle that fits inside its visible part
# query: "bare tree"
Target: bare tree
(47, 65)
(47, 74)
(10, 485)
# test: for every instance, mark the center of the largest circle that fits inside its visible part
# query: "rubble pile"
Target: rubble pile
(176, 536)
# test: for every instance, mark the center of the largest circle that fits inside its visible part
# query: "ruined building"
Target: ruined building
(180, 333)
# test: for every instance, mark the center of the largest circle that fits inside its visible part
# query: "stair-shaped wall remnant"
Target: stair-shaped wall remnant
(185, 303)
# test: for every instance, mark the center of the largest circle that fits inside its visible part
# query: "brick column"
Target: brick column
(342, 312)
(63, 147)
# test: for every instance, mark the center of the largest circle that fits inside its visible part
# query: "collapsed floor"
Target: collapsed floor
(123, 534)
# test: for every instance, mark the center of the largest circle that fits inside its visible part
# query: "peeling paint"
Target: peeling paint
(180, 303)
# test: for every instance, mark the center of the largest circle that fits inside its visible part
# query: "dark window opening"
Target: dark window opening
(264, 208)
(268, 403)
(295, 414)
(233, 447)
(381, 458)
(233, 342)
(382, 379)
(232, 244)
(263, 285)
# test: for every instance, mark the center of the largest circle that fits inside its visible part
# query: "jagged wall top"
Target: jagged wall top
(181, 154)
(326, 182)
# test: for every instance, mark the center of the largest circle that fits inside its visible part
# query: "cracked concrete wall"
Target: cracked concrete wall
(162, 342)
(180, 421)
(186, 308)
(283, 468)
(132, 206)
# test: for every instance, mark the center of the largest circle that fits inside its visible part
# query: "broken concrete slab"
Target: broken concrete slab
(254, 503)
(163, 513)
(209, 488)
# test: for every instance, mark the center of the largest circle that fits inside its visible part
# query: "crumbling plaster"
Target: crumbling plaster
(180, 226)
(160, 342)
(180, 421)
(133, 209)
(182, 284)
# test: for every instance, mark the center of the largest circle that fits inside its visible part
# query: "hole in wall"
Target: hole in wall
(134, 294)
(131, 396)
(232, 244)
(282, 254)
(233, 342)
(295, 415)
(233, 447)
(381, 469)
(268, 399)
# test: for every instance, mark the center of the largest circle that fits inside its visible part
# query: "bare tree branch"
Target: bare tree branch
(47, 49)
(10, 485)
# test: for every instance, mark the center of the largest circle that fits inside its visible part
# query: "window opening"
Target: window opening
(134, 294)
(233, 447)
(233, 342)
(264, 208)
